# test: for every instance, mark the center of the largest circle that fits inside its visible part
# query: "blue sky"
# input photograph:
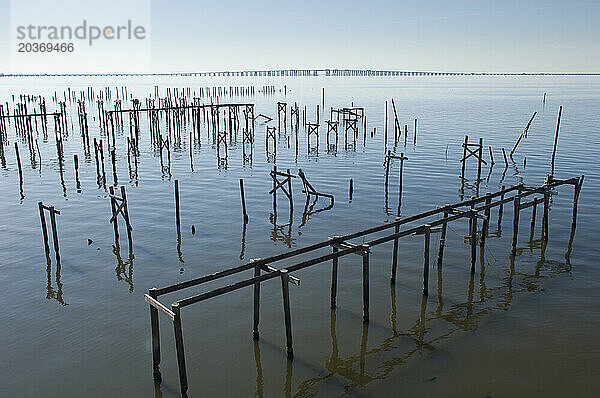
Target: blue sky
(488, 36)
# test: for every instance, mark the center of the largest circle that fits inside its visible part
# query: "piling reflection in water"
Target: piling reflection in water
(124, 269)
(462, 316)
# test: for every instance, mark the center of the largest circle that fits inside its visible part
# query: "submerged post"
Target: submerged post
(155, 337)
(285, 288)
(53, 212)
(473, 239)
(464, 158)
(243, 200)
(44, 229)
(256, 320)
(180, 349)
(516, 209)
(427, 236)
(440, 258)
(177, 218)
(334, 271)
(365, 270)
(556, 137)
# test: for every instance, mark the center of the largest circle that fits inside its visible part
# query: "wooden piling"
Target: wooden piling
(556, 138)
(464, 158)
(485, 225)
(113, 207)
(274, 191)
(244, 213)
(289, 184)
(334, 277)
(180, 349)
(415, 133)
(155, 337)
(501, 208)
(177, 215)
(516, 209)
(480, 159)
(285, 288)
(575, 201)
(18, 156)
(473, 240)
(44, 228)
(427, 236)
(351, 190)
(76, 163)
(365, 270)
(533, 216)
(53, 212)
(126, 216)
(440, 258)
(256, 317)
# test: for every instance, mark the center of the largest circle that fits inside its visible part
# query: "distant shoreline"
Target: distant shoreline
(299, 73)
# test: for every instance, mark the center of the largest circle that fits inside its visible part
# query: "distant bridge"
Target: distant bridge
(302, 72)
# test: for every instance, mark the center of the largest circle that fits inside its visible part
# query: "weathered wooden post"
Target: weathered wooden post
(245, 214)
(180, 349)
(126, 216)
(177, 218)
(516, 209)
(76, 163)
(351, 190)
(427, 236)
(480, 159)
(473, 239)
(365, 269)
(274, 190)
(501, 208)
(113, 207)
(256, 320)
(113, 156)
(19, 162)
(44, 228)
(578, 185)
(334, 272)
(285, 288)
(464, 158)
(533, 216)
(442, 241)
(385, 130)
(152, 292)
(53, 212)
(289, 184)
(556, 138)
(486, 224)
(545, 217)
(415, 135)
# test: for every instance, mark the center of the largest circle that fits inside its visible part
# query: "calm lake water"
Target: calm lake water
(527, 327)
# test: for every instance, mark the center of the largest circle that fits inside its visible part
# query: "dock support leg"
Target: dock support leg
(440, 258)
(427, 235)
(255, 333)
(334, 278)
(155, 338)
(180, 351)
(516, 208)
(365, 269)
(285, 288)
(473, 241)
